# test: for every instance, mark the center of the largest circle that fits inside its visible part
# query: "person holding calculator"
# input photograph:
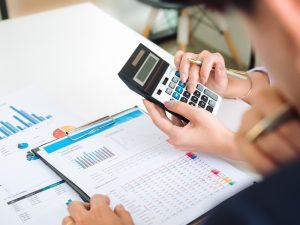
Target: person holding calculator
(268, 138)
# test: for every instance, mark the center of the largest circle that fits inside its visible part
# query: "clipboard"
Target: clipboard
(92, 128)
(103, 122)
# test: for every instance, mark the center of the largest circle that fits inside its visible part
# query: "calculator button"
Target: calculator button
(177, 74)
(212, 103)
(176, 95)
(192, 103)
(200, 87)
(169, 91)
(165, 81)
(197, 93)
(211, 94)
(209, 108)
(194, 99)
(187, 94)
(172, 85)
(179, 89)
(204, 98)
(181, 84)
(183, 99)
(158, 92)
(175, 80)
(202, 104)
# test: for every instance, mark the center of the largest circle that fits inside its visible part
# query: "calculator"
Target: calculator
(156, 80)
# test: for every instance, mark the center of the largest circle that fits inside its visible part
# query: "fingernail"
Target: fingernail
(69, 202)
(120, 206)
(169, 104)
(191, 88)
(183, 77)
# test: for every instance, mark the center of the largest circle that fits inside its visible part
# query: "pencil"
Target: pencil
(234, 73)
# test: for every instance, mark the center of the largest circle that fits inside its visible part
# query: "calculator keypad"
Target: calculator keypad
(174, 89)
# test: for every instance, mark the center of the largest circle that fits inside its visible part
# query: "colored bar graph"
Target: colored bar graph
(87, 160)
(19, 122)
(7, 127)
(36, 117)
(5, 131)
(16, 130)
(20, 128)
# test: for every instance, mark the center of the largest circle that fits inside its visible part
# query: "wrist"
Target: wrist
(228, 146)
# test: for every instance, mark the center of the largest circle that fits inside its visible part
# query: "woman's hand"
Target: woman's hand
(269, 151)
(97, 212)
(216, 78)
(203, 133)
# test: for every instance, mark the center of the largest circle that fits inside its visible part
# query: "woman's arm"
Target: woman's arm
(247, 89)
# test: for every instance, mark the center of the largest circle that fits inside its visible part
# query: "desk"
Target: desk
(74, 54)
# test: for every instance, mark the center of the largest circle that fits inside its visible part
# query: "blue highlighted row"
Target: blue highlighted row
(89, 132)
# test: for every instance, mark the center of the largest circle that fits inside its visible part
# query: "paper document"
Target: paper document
(30, 193)
(133, 164)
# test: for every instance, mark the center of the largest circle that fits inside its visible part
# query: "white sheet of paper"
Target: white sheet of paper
(134, 165)
(30, 193)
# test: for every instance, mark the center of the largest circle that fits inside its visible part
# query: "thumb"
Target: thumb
(220, 73)
(123, 214)
(190, 112)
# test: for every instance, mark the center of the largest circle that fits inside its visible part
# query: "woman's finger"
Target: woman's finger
(123, 214)
(251, 151)
(254, 156)
(220, 73)
(276, 147)
(178, 57)
(176, 121)
(76, 210)
(249, 119)
(160, 118)
(68, 220)
(193, 78)
(100, 202)
(208, 63)
(185, 65)
(291, 131)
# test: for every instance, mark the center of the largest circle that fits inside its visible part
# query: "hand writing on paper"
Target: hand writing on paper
(98, 212)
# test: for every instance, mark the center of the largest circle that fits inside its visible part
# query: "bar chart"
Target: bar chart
(86, 160)
(21, 120)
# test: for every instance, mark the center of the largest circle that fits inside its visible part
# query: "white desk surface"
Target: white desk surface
(74, 55)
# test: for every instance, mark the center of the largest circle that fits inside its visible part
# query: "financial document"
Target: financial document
(131, 161)
(30, 193)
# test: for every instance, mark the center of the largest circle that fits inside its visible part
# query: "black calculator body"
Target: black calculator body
(156, 80)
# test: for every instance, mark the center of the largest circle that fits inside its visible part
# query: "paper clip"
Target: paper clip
(109, 119)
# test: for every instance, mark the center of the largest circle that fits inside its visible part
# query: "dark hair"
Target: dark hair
(223, 5)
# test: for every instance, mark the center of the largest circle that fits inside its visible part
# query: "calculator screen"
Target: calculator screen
(147, 67)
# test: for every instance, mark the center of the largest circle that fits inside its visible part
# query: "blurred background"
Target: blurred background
(164, 23)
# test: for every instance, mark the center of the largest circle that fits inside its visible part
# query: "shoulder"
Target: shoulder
(273, 201)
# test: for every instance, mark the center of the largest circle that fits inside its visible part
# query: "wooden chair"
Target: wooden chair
(184, 27)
